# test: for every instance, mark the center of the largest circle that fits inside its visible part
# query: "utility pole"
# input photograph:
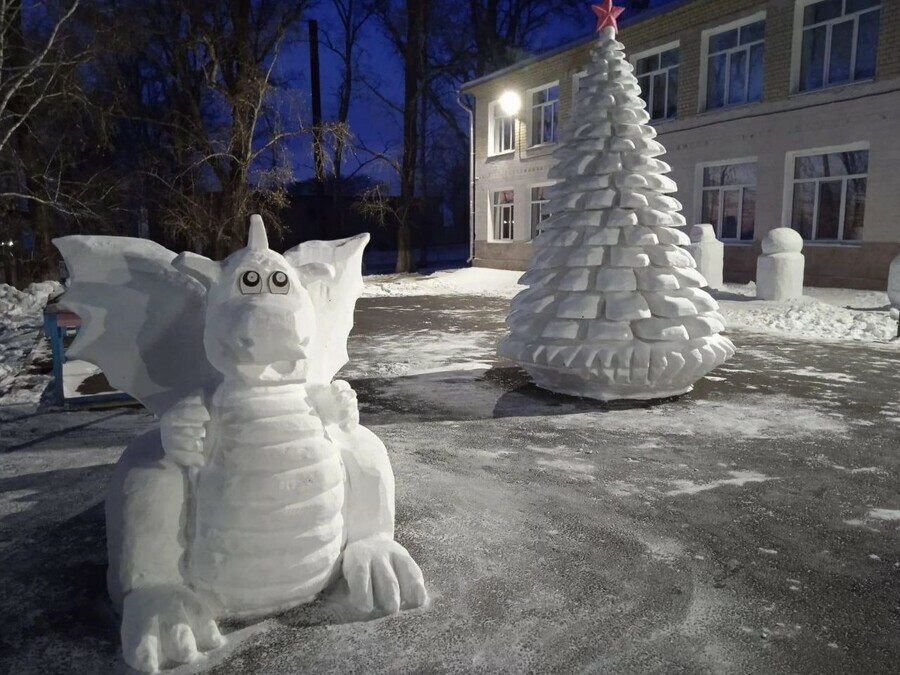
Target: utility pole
(318, 149)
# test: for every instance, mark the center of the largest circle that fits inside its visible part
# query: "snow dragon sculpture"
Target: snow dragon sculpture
(259, 489)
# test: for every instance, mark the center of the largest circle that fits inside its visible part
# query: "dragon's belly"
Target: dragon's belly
(268, 525)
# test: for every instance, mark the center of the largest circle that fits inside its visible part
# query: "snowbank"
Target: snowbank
(480, 281)
(21, 315)
(833, 314)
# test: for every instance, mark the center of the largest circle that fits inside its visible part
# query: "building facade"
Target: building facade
(774, 113)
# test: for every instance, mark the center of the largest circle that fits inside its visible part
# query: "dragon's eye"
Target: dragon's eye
(250, 283)
(278, 283)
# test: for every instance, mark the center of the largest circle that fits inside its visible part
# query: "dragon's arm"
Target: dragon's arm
(370, 484)
(183, 430)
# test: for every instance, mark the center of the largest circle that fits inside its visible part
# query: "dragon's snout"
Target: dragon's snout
(261, 333)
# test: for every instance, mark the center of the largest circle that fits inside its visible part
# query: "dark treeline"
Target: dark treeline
(177, 117)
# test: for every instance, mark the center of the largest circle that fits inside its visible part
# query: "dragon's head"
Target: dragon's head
(259, 316)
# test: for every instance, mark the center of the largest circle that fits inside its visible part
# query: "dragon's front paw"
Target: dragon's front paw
(163, 624)
(381, 575)
(346, 408)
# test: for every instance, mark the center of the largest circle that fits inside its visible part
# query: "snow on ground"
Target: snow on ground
(21, 318)
(832, 314)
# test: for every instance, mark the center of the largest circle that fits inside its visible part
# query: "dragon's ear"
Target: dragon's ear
(204, 270)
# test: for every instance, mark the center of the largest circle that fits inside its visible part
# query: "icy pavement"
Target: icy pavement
(748, 527)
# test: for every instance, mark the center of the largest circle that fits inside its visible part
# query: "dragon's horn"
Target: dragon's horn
(257, 239)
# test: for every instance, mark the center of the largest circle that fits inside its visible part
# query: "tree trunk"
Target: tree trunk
(414, 71)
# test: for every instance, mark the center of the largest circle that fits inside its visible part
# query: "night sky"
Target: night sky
(370, 120)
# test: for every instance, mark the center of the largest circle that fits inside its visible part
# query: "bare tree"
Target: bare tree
(353, 15)
(202, 91)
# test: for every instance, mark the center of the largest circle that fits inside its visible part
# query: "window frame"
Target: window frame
(495, 224)
(493, 108)
(790, 181)
(797, 46)
(532, 202)
(705, 37)
(699, 189)
(676, 44)
(529, 101)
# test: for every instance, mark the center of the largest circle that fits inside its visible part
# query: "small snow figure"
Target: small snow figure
(259, 488)
(779, 270)
(614, 307)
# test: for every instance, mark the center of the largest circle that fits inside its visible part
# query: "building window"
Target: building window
(658, 76)
(503, 215)
(544, 114)
(839, 42)
(829, 195)
(539, 212)
(734, 65)
(502, 129)
(729, 199)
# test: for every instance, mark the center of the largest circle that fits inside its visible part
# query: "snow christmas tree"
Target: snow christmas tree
(614, 306)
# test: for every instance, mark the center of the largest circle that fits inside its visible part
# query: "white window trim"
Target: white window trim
(704, 58)
(787, 206)
(530, 114)
(492, 229)
(580, 75)
(797, 49)
(493, 106)
(531, 203)
(698, 194)
(658, 50)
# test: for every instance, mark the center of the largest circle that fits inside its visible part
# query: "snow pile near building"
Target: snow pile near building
(21, 316)
(481, 281)
(832, 314)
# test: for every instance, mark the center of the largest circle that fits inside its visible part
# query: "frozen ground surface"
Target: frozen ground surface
(752, 526)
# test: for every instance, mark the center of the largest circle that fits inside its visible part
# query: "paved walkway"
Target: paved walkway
(752, 526)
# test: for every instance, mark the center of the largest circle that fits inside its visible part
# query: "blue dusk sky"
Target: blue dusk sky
(371, 121)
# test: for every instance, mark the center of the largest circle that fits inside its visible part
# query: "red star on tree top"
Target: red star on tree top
(607, 15)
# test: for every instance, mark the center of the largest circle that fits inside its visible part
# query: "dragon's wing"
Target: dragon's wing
(331, 271)
(142, 320)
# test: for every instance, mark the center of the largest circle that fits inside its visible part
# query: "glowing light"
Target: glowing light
(510, 103)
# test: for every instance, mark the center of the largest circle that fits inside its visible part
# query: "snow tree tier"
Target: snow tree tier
(614, 306)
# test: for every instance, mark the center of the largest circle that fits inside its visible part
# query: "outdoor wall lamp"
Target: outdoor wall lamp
(510, 103)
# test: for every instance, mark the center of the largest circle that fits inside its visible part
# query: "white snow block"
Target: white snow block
(615, 279)
(653, 279)
(640, 236)
(669, 235)
(628, 256)
(669, 305)
(580, 306)
(708, 253)
(575, 280)
(586, 256)
(620, 218)
(605, 331)
(607, 236)
(893, 287)
(622, 306)
(567, 330)
(660, 329)
(779, 270)
(667, 255)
